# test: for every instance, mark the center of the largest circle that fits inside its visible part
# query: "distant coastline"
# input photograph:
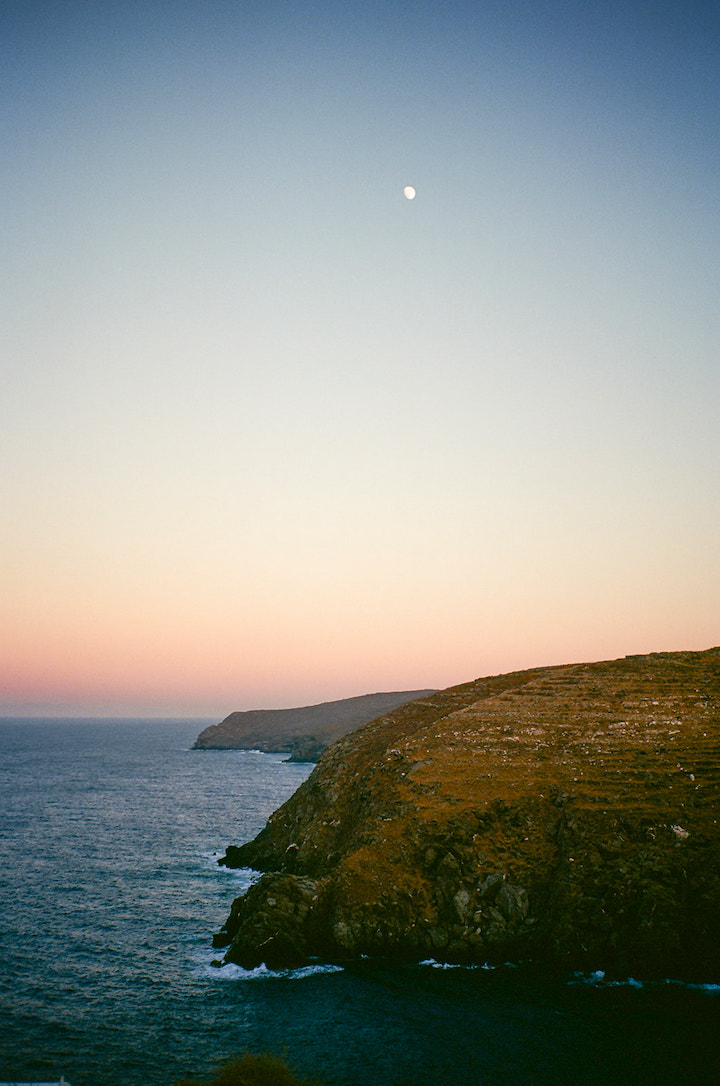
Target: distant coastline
(302, 733)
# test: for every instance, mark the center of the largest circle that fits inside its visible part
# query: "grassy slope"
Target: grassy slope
(566, 812)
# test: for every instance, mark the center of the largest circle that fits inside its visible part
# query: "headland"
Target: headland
(567, 815)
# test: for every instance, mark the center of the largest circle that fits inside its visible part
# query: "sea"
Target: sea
(110, 891)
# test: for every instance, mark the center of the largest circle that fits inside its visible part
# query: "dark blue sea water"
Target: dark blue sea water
(110, 892)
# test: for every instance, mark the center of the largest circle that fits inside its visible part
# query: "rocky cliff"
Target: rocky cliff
(565, 814)
(304, 732)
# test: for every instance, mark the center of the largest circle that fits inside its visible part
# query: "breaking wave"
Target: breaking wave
(598, 979)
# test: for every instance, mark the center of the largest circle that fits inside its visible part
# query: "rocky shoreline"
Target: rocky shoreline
(567, 815)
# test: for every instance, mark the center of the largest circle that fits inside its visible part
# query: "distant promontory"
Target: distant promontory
(568, 815)
(302, 733)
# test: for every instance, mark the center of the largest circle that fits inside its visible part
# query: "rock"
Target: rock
(512, 901)
(566, 814)
(306, 748)
(461, 901)
(490, 886)
(272, 923)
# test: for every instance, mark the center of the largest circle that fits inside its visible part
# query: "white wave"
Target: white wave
(242, 877)
(236, 972)
(430, 963)
(695, 987)
(597, 979)
(591, 980)
(208, 964)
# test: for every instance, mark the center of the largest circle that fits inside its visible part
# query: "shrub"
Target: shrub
(253, 1071)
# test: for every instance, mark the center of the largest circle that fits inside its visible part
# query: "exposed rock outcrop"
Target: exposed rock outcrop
(565, 814)
(302, 733)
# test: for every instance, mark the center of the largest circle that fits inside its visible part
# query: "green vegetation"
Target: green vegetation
(253, 1071)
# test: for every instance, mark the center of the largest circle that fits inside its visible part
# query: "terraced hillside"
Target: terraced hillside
(568, 814)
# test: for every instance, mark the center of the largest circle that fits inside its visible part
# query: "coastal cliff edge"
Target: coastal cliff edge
(564, 814)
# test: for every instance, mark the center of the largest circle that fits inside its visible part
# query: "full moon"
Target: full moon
(409, 192)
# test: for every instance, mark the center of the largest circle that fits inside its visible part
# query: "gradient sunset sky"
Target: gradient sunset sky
(272, 434)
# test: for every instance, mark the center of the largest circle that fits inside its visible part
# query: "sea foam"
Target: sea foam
(206, 965)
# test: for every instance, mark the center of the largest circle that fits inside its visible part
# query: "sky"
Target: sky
(272, 434)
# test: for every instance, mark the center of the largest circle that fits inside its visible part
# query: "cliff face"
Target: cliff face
(303, 732)
(565, 814)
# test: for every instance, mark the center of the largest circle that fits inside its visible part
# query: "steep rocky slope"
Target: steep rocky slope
(565, 814)
(303, 732)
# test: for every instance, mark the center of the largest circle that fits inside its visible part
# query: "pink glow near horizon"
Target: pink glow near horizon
(182, 670)
(272, 434)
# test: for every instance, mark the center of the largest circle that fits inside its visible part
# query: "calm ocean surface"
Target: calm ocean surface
(110, 892)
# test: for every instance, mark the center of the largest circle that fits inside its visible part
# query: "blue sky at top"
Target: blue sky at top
(269, 431)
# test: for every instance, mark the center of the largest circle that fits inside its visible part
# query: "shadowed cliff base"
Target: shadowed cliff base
(565, 814)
